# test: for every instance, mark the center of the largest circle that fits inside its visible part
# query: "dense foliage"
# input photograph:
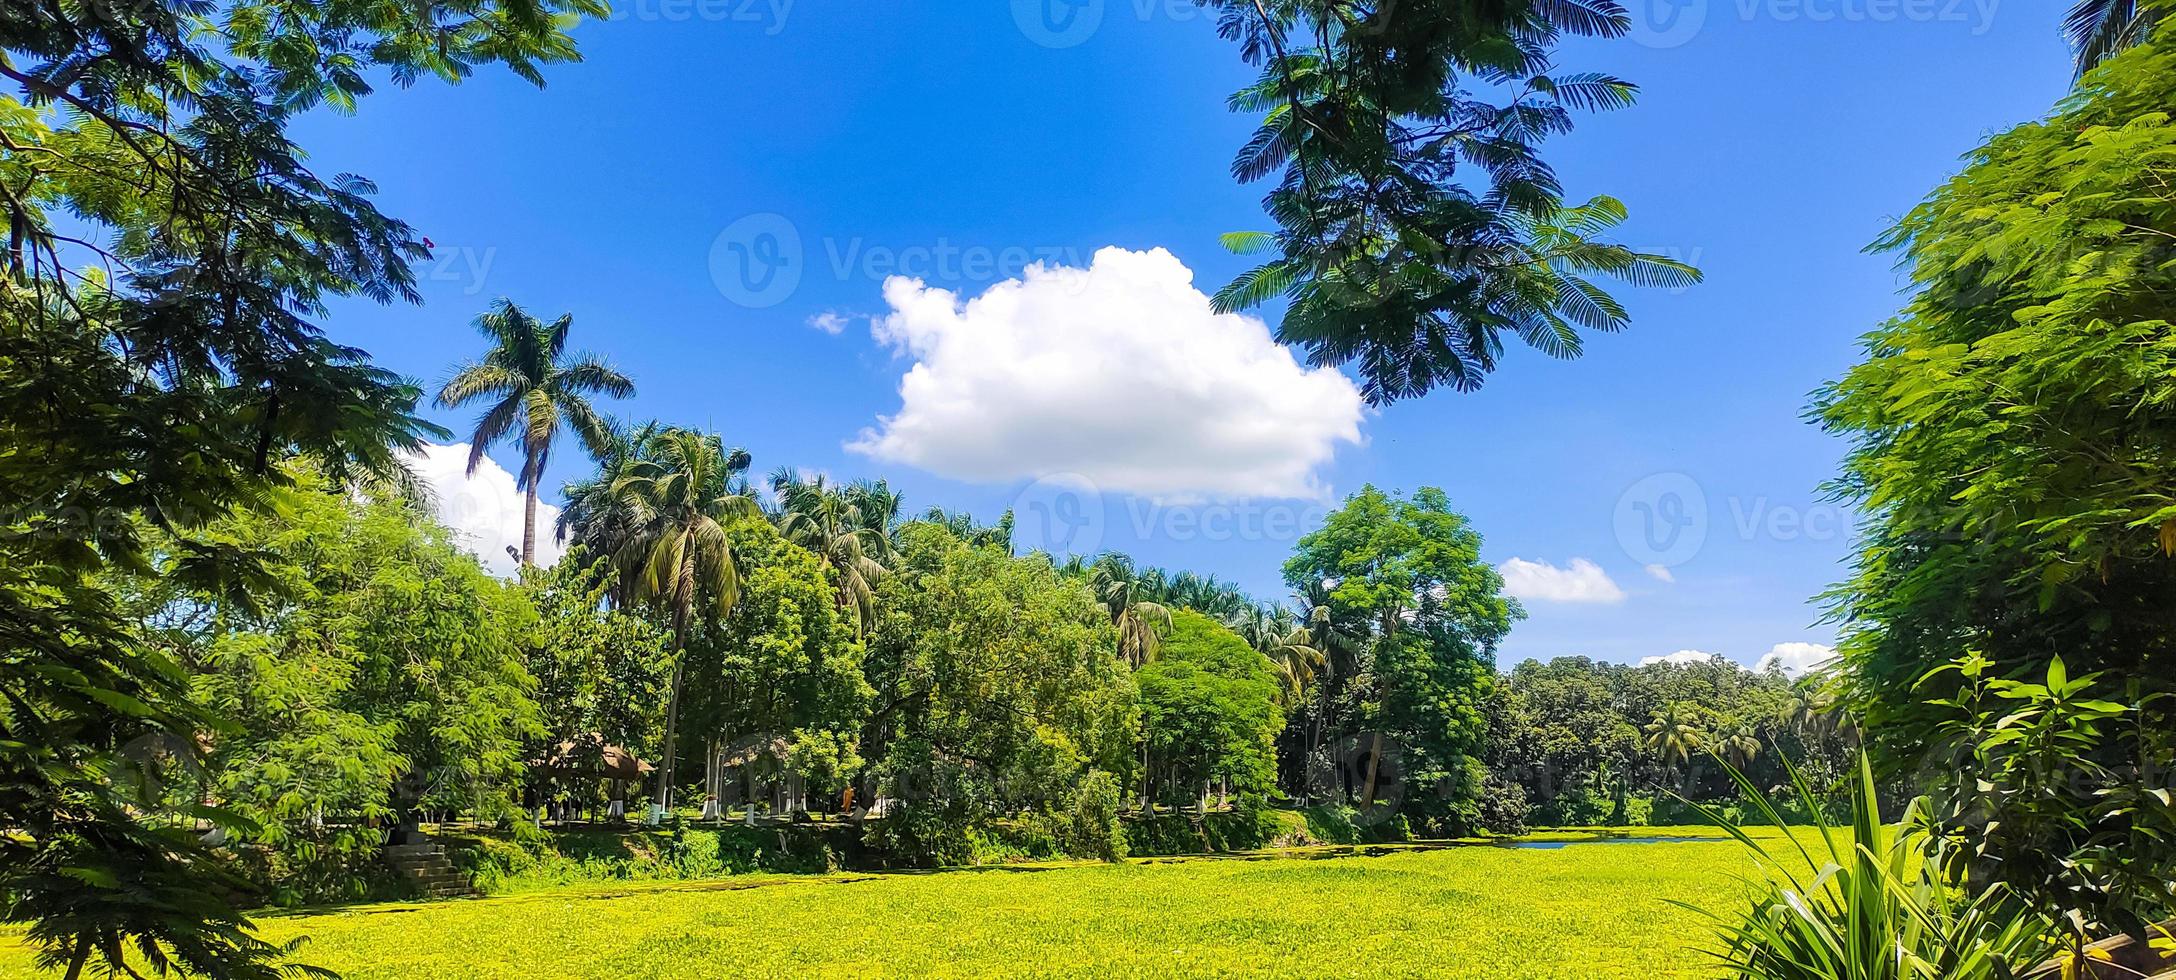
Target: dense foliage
(601, 671)
(998, 689)
(167, 249)
(1591, 743)
(386, 677)
(1416, 221)
(2011, 616)
(1209, 714)
(1410, 617)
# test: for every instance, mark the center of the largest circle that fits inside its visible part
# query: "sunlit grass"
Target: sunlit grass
(1590, 912)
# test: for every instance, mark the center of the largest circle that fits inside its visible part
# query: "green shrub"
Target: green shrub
(1868, 904)
(1091, 828)
(522, 862)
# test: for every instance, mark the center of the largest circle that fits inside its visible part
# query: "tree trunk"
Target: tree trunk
(76, 959)
(672, 715)
(528, 518)
(1375, 765)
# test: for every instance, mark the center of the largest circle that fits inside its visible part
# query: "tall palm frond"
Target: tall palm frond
(1140, 621)
(2101, 29)
(848, 527)
(534, 388)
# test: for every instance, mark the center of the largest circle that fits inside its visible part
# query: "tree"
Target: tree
(600, 669)
(996, 690)
(1566, 740)
(679, 497)
(1138, 619)
(1290, 649)
(849, 527)
(595, 519)
(161, 384)
(1416, 220)
(1209, 711)
(385, 675)
(785, 663)
(2012, 444)
(536, 387)
(1739, 745)
(2101, 29)
(1410, 569)
(1675, 734)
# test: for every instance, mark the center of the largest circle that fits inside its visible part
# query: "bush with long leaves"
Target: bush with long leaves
(1866, 902)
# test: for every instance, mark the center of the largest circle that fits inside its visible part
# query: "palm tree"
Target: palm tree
(1291, 651)
(964, 527)
(2101, 29)
(536, 388)
(1675, 734)
(596, 520)
(848, 527)
(1740, 747)
(1139, 620)
(679, 494)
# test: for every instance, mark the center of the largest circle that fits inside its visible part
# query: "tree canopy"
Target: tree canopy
(2009, 617)
(1417, 222)
(1209, 711)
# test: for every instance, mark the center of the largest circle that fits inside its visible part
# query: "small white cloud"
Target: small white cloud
(484, 510)
(1682, 657)
(1796, 659)
(1582, 581)
(830, 323)
(1661, 573)
(1121, 373)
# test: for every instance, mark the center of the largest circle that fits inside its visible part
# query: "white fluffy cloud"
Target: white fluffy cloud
(827, 322)
(1661, 573)
(1120, 373)
(1795, 659)
(484, 510)
(1682, 657)
(1582, 581)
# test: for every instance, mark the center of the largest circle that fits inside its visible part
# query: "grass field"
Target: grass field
(1585, 912)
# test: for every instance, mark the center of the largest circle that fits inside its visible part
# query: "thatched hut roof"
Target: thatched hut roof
(590, 755)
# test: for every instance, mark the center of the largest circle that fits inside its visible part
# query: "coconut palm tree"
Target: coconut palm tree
(1740, 746)
(2101, 29)
(1675, 734)
(535, 388)
(596, 520)
(1140, 621)
(680, 493)
(848, 527)
(1286, 644)
(964, 527)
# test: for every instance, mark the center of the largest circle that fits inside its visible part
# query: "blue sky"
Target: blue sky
(839, 143)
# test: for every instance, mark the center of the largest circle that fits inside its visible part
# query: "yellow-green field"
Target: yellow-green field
(1586, 912)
